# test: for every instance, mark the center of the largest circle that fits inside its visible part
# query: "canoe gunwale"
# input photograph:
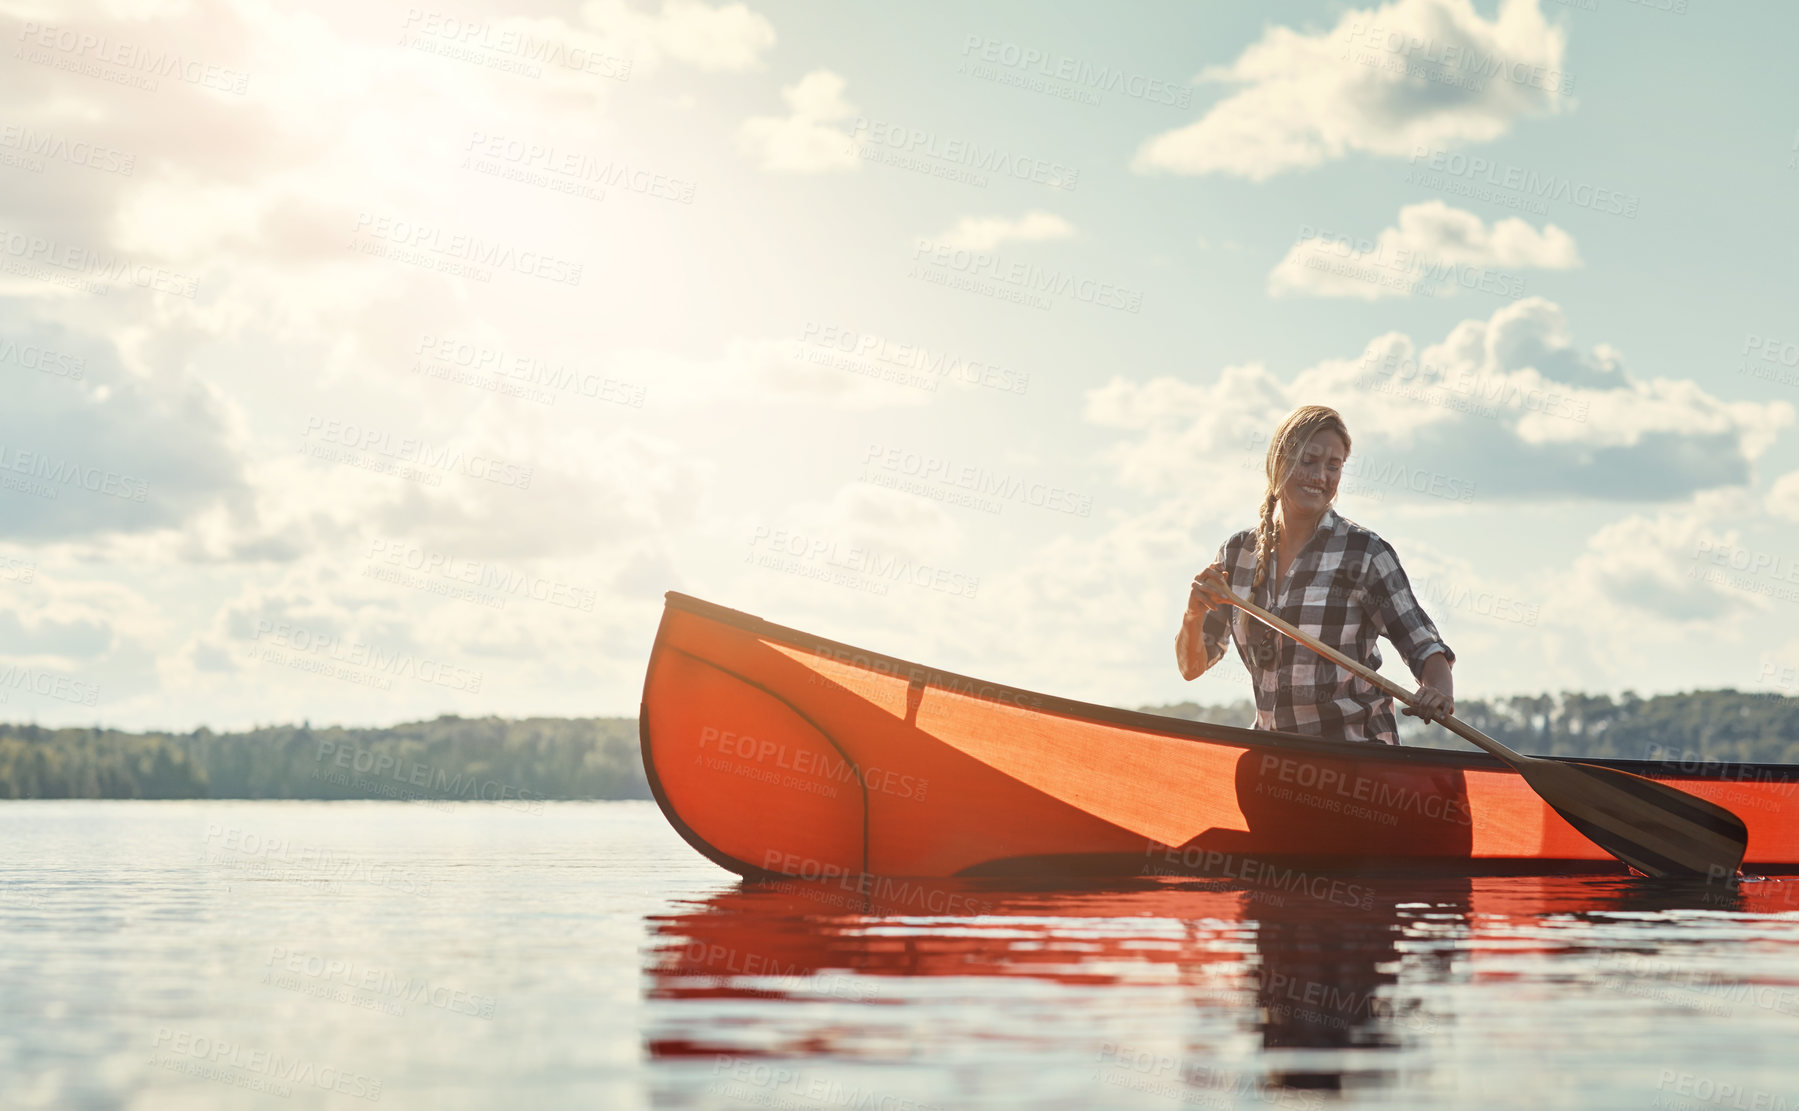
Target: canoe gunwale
(1156, 724)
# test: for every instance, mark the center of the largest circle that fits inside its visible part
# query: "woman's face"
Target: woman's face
(1313, 484)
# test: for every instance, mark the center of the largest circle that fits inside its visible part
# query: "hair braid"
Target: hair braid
(1267, 532)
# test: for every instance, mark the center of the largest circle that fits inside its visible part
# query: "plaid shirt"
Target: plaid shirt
(1345, 587)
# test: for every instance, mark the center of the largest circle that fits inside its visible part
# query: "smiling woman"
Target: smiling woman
(1330, 577)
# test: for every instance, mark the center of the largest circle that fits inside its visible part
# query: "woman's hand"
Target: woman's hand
(1430, 704)
(1202, 599)
(1210, 590)
(1436, 690)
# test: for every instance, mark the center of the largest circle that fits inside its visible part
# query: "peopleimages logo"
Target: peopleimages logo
(120, 62)
(1023, 278)
(810, 764)
(32, 356)
(1486, 603)
(926, 364)
(453, 249)
(1407, 377)
(905, 892)
(410, 450)
(567, 171)
(1155, 1073)
(918, 142)
(528, 377)
(463, 786)
(1363, 474)
(1770, 349)
(1085, 80)
(1407, 269)
(34, 146)
(1451, 57)
(54, 472)
(14, 677)
(372, 659)
(780, 549)
(1328, 779)
(921, 473)
(255, 1069)
(526, 53)
(741, 1082)
(1268, 875)
(384, 984)
(1526, 183)
(481, 576)
(83, 267)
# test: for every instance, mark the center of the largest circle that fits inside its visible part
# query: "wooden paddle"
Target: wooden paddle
(1654, 828)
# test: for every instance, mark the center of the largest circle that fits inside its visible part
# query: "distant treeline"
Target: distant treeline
(597, 758)
(449, 758)
(1724, 725)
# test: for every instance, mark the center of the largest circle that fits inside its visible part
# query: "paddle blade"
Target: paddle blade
(1656, 829)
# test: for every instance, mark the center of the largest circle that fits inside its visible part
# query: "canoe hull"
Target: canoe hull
(778, 753)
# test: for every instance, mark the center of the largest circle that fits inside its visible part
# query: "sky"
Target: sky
(369, 362)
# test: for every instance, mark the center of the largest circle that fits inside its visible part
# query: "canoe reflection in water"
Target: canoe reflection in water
(1329, 978)
(1276, 990)
(1302, 971)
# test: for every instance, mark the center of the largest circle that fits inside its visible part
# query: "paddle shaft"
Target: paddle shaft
(1452, 723)
(1657, 829)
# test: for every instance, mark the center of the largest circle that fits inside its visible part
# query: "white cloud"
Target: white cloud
(841, 371)
(729, 38)
(1434, 250)
(95, 440)
(203, 399)
(1661, 564)
(1184, 428)
(1783, 497)
(584, 494)
(1506, 407)
(1307, 99)
(802, 142)
(70, 641)
(985, 233)
(526, 488)
(890, 549)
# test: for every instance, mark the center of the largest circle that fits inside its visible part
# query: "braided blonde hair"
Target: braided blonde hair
(1284, 451)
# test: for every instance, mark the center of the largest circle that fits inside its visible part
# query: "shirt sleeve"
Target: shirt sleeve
(1396, 614)
(1215, 630)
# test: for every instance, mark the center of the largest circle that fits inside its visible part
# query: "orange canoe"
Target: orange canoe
(775, 752)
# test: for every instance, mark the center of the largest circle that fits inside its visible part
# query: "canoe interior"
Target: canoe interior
(775, 752)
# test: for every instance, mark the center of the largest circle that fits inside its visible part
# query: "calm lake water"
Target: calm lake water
(467, 955)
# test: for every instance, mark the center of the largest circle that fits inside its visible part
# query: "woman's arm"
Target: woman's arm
(1398, 616)
(1191, 645)
(1436, 690)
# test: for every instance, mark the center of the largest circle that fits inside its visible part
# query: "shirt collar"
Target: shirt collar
(1330, 522)
(1328, 525)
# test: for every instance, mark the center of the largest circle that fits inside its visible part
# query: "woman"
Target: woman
(1330, 577)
